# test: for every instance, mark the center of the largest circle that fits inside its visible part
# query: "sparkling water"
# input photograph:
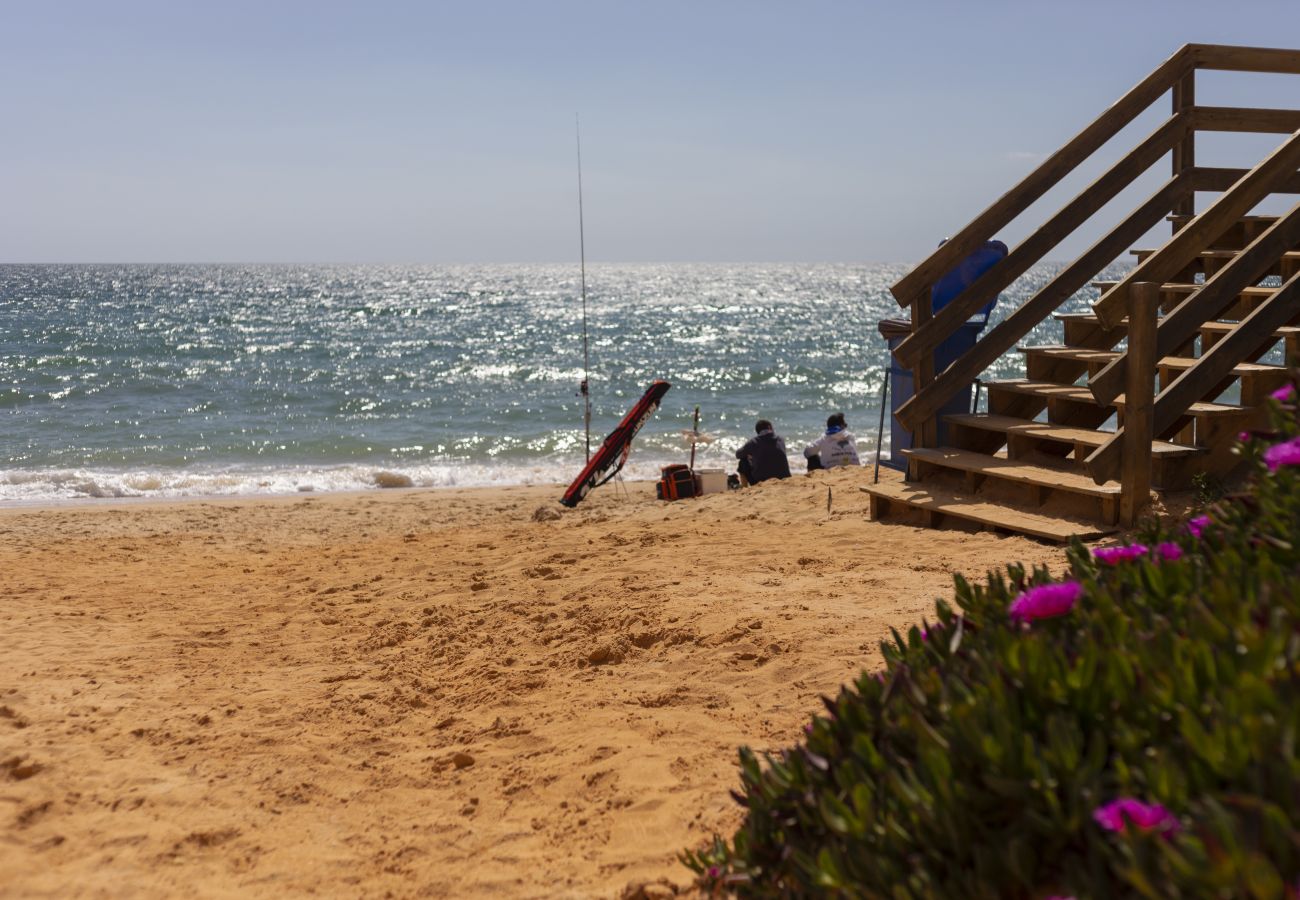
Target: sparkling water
(142, 380)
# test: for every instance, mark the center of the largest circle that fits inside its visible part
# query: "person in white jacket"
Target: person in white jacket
(834, 448)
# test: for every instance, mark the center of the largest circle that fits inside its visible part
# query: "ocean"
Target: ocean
(191, 380)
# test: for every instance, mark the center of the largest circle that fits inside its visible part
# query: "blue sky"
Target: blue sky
(443, 133)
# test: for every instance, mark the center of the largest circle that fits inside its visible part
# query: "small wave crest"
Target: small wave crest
(37, 486)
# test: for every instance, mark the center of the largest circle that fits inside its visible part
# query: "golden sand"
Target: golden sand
(425, 693)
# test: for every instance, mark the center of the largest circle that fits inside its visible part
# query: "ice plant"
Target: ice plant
(1045, 601)
(1284, 454)
(1196, 526)
(1126, 810)
(1113, 556)
(1169, 551)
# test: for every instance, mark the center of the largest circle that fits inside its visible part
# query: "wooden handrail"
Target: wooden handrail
(1042, 179)
(1209, 178)
(1193, 237)
(1031, 250)
(1259, 121)
(1003, 336)
(1222, 288)
(1227, 58)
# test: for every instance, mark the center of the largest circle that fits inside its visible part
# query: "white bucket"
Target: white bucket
(711, 481)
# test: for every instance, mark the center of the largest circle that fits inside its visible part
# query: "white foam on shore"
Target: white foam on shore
(27, 487)
(39, 486)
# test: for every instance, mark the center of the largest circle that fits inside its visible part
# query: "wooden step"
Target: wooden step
(1013, 470)
(1188, 287)
(1143, 253)
(935, 501)
(1095, 359)
(1063, 434)
(1080, 394)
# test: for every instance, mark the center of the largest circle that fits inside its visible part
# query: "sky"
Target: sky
(433, 132)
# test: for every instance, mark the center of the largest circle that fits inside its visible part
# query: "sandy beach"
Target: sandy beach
(443, 693)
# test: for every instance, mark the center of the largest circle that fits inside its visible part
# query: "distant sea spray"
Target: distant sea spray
(170, 380)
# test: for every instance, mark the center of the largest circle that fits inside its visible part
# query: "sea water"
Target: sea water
(181, 380)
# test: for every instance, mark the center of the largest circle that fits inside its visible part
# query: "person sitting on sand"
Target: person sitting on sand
(834, 448)
(763, 455)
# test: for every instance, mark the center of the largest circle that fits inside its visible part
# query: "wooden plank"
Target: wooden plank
(1135, 479)
(1184, 155)
(1245, 59)
(1257, 121)
(1189, 240)
(1181, 324)
(1187, 287)
(1144, 253)
(1176, 363)
(940, 500)
(1065, 434)
(1032, 249)
(1042, 179)
(1012, 470)
(1211, 178)
(925, 431)
(1003, 336)
(1077, 393)
(1210, 369)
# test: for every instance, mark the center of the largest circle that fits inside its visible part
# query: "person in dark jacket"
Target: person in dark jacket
(763, 455)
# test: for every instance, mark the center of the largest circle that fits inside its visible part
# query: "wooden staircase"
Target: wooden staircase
(1153, 386)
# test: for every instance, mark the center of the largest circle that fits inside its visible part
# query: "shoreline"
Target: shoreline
(436, 690)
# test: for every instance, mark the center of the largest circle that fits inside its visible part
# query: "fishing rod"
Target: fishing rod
(582, 251)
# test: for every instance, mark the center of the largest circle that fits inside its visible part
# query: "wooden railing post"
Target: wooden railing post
(1184, 155)
(1139, 401)
(924, 433)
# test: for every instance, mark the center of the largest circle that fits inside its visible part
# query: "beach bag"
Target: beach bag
(676, 483)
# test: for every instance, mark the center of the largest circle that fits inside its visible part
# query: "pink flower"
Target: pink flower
(1146, 816)
(1113, 556)
(1045, 601)
(1169, 551)
(1284, 393)
(1198, 525)
(1243, 436)
(1284, 454)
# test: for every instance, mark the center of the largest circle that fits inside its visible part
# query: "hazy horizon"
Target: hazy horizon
(408, 134)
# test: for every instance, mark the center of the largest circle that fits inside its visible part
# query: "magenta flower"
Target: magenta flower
(1284, 393)
(1113, 556)
(1146, 816)
(1198, 525)
(1284, 454)
(1045, 601)
(1243, 436)
(1169, 551)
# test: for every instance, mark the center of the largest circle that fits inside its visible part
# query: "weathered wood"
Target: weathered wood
(1181, 324)
(1042, 179)
(1137, 430)
(1064, 434)
(1184, 155)
(1003, 336)
(1210, 178)
(1257, 121)
(1184, 246)
(1212, 368)
(938, 499)
(925, 431)
(1013, 470)
(1244, 59)
(1173, 133)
